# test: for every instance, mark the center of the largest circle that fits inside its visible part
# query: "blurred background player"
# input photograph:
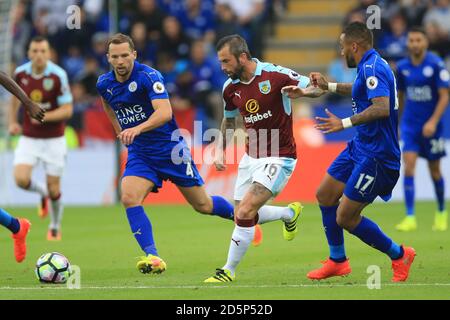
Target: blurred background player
(369, 166)
(137, 104)
(19, 227)
(423, 84)
(253, 90)
(46, 84)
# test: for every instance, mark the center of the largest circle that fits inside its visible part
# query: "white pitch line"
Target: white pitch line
(229, 286)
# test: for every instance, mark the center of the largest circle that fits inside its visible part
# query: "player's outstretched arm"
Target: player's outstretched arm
(62, 113)
(318, 80)
(295, 92)
(33, 108)
(161, 115)
(378, 110)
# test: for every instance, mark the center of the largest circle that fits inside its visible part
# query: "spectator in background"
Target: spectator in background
(393, 44)
(73, 62)
(250, 14)
(338, 71)
(98, 48)
(207, 82)
(437, 25)
(226, 21)
(148, 12)
(197, 20)
(21, 33)
(173, 39)
(89, 75)
(146, 49)
(82, 101)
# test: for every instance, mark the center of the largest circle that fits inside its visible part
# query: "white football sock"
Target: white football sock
(56, 214)
(240, 240)
(39, 188)
(272, 213)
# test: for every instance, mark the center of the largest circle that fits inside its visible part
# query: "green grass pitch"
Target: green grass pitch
(98, 240)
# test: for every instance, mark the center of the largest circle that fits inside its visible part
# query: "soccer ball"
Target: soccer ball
(53, 268)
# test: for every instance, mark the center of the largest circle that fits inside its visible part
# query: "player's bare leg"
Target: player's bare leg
(134, 190)
(328, 195)
(22, 176)
(54, 191)
(441, 216)
(409, 223)
(246, 217)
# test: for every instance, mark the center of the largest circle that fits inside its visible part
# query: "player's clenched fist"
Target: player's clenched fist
(127, 136)
(318, 80)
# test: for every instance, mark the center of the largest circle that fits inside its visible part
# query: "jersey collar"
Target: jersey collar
(366, 57)
(258, 72)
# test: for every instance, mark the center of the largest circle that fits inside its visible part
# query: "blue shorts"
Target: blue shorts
(185, 174)
(429, 148)
(365, 177)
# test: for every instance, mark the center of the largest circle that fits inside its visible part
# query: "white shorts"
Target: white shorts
(50, 151)
(271, 172)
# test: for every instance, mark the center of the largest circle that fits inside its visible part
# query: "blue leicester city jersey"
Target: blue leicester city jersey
(379, 138)
(421, 84)
(132, 103)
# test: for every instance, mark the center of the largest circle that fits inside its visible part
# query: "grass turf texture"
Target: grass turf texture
(99, 241)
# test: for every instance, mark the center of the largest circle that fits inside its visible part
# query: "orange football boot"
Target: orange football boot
(258, 237)
(401, 266)
(330, 269)
(54, 235)
(20, 245)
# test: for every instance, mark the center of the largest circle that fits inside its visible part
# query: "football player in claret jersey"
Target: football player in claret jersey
(369, 166)
(137, 104)
(19, 227)
(253, 91)
(47, 84)
(423, 84)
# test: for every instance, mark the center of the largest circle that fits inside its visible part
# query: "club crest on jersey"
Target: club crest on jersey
(444, 75)
(264, 87)
(428, 71)
(372, 82)
(132, 86)
(48, 84)
(158, 87)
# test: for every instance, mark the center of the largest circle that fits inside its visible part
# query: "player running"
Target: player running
(254, 92)
(137, 104)
(19, 227)
(423, 84)
(369, 166)
(47, 84)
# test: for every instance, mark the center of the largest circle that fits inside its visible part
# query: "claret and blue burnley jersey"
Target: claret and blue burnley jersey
(421, 84)
(150, 154)
(370, 164)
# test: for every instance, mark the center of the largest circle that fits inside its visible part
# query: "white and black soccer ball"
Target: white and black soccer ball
(53, 268)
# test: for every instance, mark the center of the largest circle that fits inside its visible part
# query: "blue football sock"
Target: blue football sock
(371, 234)
(408, 187)
(142, 229)
(222, 208)
(439, 189)
(334, 233)
(9, 221)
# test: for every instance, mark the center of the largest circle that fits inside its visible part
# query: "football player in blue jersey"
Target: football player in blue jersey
(369, 166)
(423, 84)
(137, 104)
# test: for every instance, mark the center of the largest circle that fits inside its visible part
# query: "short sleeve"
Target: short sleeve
(230, 110)
(377, 81)
(153, 83)
(294, 79)
(442, 76)
(65, 96)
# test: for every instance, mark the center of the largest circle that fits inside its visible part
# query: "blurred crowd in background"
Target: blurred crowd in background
(178, 37)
